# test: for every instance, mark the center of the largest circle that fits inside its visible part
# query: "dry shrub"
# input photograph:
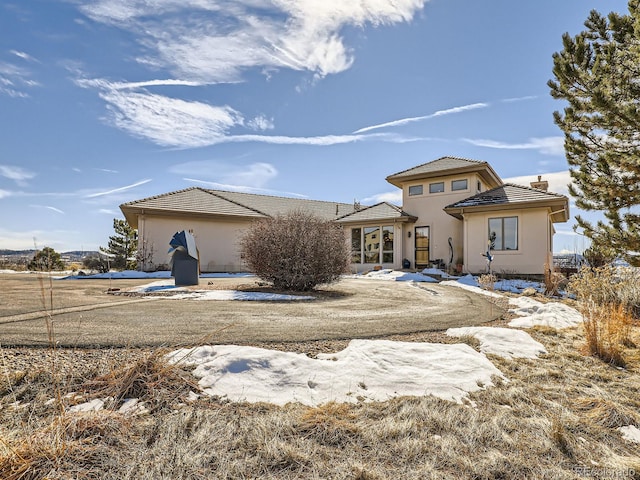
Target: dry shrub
(487, 281)
(607, 330)
(152, 379)
(607, 297)
(297, 251)
(553, 281)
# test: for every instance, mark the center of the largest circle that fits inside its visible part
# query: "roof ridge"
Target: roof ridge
(275, 196)
(153, 197)
(436, 160)
(213, 192)
(533, 189)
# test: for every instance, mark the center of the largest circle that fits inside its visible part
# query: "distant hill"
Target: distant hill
(70, 256)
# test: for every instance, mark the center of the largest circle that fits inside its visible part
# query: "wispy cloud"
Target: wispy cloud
(243, 188)
(5, 193)
(17, 174)
(255, 175)
(48, 207)
(23, 56)
(106, 170)
(242, 35)
(545, 145)
(439, 113)
(520, 99)
(222, 43)
(117, 190)
(15, 81)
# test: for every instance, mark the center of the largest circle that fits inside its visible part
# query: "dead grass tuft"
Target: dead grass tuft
(152, 379)
(607, 330)
(70, 444)
(330, 424)
(606, 413)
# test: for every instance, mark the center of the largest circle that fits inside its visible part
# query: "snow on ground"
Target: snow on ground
(186, 294)
(134, 274)
(394, 276)
(630, 433)
(468, 282)
(369, 370)
(534, 313)
(238, 295)
(504, 342)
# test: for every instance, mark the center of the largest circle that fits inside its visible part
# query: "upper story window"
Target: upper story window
(415, 190)
(479, 186)
(459, 185)
(436, 187)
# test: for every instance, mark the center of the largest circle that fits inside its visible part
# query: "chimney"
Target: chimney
(540, 184)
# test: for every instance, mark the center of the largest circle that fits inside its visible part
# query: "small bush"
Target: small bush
(297, 251)
(607, 299)
(46, 260)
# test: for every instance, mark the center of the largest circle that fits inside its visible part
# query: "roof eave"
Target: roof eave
(559, 209)
(483, 169)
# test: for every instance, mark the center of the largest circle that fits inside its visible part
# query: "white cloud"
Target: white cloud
(394, 197)
(253, 175)
(23, 56)
(545, 145)
(438, 113)
(244, 188)
(558, 181)
(261, 123)
(231, 37)
(48, 207)
(5, 193)
(14, 80)
(155, 117)
(17, 174)
(117, 190)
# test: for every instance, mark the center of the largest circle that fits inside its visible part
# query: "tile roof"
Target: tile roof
(438, 167)
(380, 211)
(509, 195)
(196, 200)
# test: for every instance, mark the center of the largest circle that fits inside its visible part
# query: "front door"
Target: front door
(422, 247)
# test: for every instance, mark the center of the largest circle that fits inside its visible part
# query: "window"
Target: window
(371, 248)
(479, 187)
(366, 246)
(421, 237)
(459, 185)
(436, 187)
(503, 233)
(387, 244)
(356, 245)
(415, 190)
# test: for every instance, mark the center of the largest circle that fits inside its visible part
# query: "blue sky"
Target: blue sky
(107, 101)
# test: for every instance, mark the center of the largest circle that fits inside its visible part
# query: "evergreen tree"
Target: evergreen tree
(123, 246)
(46, 260)
(598, 74)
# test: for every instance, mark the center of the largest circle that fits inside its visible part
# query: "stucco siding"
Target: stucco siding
(534, 243)
(216, 240)
(428, 207)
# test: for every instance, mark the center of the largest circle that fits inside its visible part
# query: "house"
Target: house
(453, 210)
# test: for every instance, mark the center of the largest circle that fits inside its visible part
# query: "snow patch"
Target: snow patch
(504, 342)
(534, 313)
(367, 370)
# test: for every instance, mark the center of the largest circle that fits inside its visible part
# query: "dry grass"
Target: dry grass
(554, 415)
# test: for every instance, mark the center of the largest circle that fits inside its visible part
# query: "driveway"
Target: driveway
(85, 315)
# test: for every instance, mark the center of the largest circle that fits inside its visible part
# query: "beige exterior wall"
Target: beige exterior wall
(216, 240)
(535, 237)
(428, 207)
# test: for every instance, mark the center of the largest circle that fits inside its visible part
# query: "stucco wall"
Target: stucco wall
(428, 207)
(216, 240)
(534, 243)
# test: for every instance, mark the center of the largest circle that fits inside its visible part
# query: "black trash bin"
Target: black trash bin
(184, 259)
(406, 264)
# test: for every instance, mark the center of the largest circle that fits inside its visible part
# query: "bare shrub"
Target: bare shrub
(607, 297)
(487, 281)
(297, 251)
(553, 281)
